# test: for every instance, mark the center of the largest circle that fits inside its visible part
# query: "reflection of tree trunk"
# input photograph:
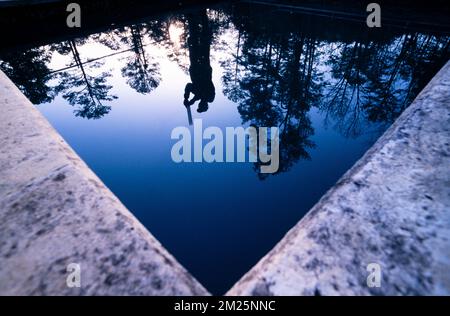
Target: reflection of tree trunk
(356, 109)
(438, 52)
(268, 65)
(138, 49)
(296, 83)
(341, 87)
(407, 43)
(397, 63)
(312, 48)
(237, 57)
(78, 62)
(348, 71)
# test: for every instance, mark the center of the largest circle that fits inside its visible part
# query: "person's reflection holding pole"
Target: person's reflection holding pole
(199, 42)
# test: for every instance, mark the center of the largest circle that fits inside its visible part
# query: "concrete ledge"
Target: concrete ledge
(391, 208)
(54, 211)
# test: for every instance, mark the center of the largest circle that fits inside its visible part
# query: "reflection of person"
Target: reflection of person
(200, 70)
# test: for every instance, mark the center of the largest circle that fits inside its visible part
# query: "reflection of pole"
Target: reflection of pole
(188, 109)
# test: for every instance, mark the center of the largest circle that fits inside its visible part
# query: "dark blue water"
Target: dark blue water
(332, 88)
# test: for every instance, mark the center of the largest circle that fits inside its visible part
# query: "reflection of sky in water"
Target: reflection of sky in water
(218, 219)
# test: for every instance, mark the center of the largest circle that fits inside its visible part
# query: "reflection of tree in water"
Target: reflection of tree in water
(274, 79)
(29, 71)
(141, 75)
(141, 71)
(375, 82)
(400, 77)
(281, 66)
(348, 64)
(277, 72)
(82, 89)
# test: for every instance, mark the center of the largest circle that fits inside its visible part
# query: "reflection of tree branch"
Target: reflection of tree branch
(141, 76)
(278, 83)
(93, 91)
(382, 78)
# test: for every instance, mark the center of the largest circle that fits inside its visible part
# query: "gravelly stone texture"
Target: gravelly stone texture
(54, 211)
(391, 208)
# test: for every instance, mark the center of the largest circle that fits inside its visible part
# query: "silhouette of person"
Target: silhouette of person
(200, 71)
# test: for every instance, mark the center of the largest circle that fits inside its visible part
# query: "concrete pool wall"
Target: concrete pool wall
(55, 211)
(392, 208)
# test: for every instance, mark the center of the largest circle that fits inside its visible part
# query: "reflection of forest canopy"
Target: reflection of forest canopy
(28, 70)
(279, 66)
(142, 75)
(376, 82)
(141, 71)
(78, 85)
(284, 64)
(274, 79)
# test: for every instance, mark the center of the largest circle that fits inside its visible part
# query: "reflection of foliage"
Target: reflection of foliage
(232, 70)
(140, 72)
(274, 79)
(141, 76)
(277, 73)
(374, 83)
(110, 39)
(348, 65)
(397, 78)
(28, 70)
(92, 90)
(280, 66)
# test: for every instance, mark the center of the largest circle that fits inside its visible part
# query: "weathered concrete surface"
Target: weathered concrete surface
(391, 208)
(55, 211)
